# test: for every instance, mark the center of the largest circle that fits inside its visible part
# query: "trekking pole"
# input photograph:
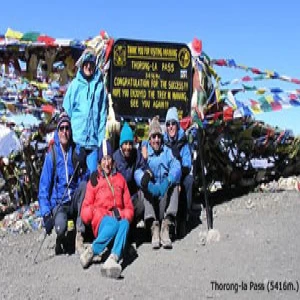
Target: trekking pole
(207, 205)
(58, 206)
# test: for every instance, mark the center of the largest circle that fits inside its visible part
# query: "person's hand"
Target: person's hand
(94, 178)
(79, 156)
(163, 187)
(144, 152)
(116, 213)
(48, 223)
(146, 179)
(153, 189)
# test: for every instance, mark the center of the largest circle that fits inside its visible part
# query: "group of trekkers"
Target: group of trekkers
(111, 191)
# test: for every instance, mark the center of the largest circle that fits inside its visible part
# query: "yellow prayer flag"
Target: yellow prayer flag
(260, 91)
(269, 98)
(13, 34)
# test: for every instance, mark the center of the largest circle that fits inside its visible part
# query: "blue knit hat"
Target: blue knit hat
(126, 134)
(105, 149)
(172, 114)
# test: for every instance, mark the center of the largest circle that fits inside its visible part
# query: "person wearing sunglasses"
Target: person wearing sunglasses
(60, 190)
(108, 208)
(175, 138)
(161, 192)
(86, 104)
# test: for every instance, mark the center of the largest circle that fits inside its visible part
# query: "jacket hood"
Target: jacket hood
(96, 76)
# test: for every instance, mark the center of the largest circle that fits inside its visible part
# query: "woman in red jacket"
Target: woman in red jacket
(108, 208)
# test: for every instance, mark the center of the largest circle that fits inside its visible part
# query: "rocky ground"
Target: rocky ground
(252, 254)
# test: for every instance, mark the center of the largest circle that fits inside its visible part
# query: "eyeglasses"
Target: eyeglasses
(64, 128)
(169, 123)
(155, 135)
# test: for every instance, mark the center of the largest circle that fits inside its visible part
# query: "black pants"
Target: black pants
(70, 210)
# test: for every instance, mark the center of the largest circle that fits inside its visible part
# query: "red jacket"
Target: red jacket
(99, 200)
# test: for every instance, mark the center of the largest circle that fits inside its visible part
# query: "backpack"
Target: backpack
(53, 154)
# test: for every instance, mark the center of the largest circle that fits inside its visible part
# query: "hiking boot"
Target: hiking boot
(111, 268)
(79, 246)
(87, 256)
(98, 257)
(59, 246)
(140, 224)
(165, 234)
(155, 235)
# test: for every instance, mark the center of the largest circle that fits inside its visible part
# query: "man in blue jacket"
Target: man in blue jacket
(175, 138)
(161, 193)
(60, 194)
(86, 104)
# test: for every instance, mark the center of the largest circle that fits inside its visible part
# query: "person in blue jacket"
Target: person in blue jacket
(132, 165)
(175, 138)
(161, 193)
(60, 193)
(86, 104)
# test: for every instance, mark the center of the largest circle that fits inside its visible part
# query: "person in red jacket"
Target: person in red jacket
(108, 208)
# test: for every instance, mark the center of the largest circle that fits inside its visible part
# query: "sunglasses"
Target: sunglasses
(89, 64)
(169, 123)
(64, 128)
(155, 135)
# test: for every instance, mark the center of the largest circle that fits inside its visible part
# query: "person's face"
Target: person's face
(106, 164)
(171, 128)
(64, 133)
(88, 68)
(155, 141)
(127, 148)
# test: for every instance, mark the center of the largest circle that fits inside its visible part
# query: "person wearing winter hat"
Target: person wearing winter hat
(154, 127)
(63, 117)
(161, 192)
(175, 138)
(60, 193)
(86, 104)
(132, 165)
(108, 208)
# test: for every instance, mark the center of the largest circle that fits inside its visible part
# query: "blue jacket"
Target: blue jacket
(163, 164)
(64, 171)
(132, 170)
(86, 104)
(180, 148)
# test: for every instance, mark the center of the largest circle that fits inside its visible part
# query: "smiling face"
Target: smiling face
(64, 134)
(155, 141)
(127, 148)
(88, 68)
(106, 164)
(172, 128)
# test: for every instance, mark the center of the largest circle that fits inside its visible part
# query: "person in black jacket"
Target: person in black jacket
(130, 163)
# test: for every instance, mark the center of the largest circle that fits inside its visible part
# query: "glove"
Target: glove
(79, 156)
(153, 189)
(163, 187)
(48, 223)
(94, 178)
(146, 179)
(116, 213)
